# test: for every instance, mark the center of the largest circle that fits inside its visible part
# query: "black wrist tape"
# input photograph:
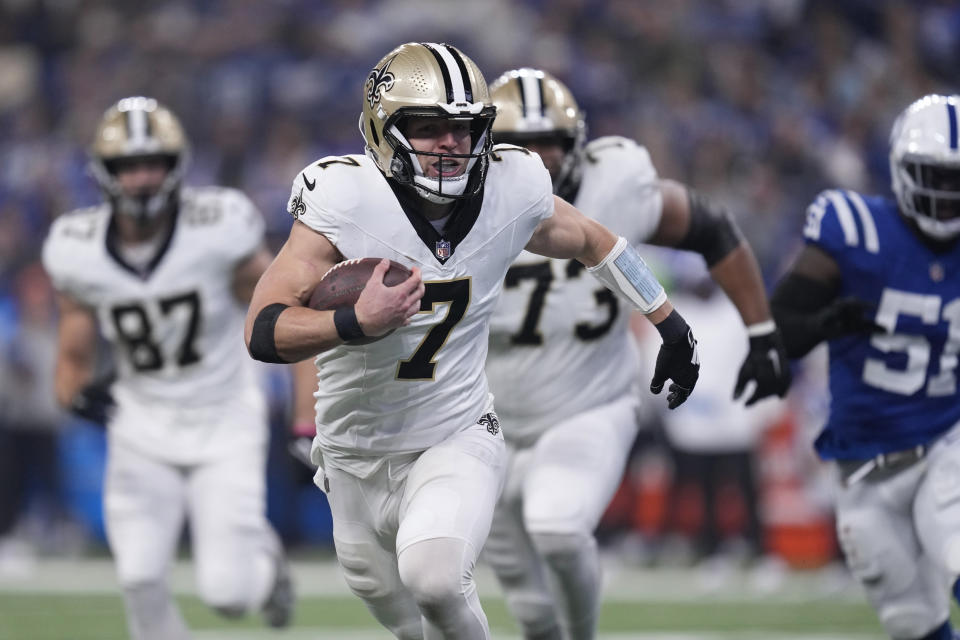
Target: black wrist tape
(673, 328)
(345, 320)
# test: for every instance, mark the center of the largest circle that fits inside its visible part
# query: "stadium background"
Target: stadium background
(758, 104)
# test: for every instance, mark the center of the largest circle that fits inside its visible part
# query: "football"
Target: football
(342, 284)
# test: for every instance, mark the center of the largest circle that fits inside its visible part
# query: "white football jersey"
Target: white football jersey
(559, 340)
(423, 382)
(176, 329)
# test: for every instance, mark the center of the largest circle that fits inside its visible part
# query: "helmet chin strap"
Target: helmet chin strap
(438, 190)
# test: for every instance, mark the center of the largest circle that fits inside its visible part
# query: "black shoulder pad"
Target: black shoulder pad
(712, 232)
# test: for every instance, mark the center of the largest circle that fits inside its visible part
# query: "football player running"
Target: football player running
(410, 450)
(164, 272)
(877, 281)
(563, 364)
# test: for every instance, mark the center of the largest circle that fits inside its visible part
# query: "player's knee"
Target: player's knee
(437, 572)
(360, 575)
(878, 565)
(228, 603)
(533, 609)
(951, 555)
(909, 621)
(560, 549)
(433, 585)
(225, 592)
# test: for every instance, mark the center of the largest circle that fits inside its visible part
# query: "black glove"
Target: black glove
(94, 403)
(766, 364)
(845, 316)
(678, 360)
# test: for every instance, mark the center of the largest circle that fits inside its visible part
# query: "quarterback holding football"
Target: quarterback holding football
(409, 447)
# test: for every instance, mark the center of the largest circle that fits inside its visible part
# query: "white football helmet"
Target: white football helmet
(532, 105)
(139, 127)
(432, 80)
(925, 164)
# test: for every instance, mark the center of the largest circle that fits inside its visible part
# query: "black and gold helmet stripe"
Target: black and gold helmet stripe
(138, 126)
(531, 96)
(456, 80)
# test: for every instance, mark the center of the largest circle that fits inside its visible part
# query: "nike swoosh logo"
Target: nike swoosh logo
(310, 185)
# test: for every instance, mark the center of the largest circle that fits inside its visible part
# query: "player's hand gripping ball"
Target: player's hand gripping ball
(342, 284)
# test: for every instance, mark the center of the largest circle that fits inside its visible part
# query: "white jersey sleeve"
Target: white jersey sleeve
(619, 188)
(69, 237)
(243, 226)
(423, 382)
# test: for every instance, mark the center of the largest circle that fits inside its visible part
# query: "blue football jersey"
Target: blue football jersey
(897, 389)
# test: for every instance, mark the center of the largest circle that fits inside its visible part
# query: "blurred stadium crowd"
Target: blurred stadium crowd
(759, 104)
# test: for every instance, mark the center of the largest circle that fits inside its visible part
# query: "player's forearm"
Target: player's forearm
(291, 333)
(72, 374)
(739, 276)
(624, 272)
(303, 333)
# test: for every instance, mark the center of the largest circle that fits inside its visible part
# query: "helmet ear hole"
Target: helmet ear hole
(373, 132)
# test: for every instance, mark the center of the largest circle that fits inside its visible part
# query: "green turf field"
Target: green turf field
(78, 601)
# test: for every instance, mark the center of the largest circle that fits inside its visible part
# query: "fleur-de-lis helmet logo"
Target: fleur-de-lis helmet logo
(378, 81)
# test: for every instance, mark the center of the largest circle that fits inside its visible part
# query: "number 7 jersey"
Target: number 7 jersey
(424, 382)
(897, 389)
(175, 328)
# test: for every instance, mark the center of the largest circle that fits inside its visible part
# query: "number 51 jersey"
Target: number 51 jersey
(176, 330)
(896, 389)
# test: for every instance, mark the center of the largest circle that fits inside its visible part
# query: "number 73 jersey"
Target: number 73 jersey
(175, 327)
(896, 389)
(560, 342)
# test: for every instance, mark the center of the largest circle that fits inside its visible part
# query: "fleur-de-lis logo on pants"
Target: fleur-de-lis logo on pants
(490, 421)
(378, 81)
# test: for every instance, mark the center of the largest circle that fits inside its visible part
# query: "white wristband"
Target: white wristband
(761, 328)
(624, 272)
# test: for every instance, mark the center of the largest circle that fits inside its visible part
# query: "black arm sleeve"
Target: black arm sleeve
(712, 232)
(262, 344)
(795, 304)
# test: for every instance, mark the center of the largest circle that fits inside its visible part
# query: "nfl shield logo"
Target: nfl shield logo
(443, 249)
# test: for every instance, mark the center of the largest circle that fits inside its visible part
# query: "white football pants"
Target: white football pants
(541, 544)
(901, 538)
(408, 536)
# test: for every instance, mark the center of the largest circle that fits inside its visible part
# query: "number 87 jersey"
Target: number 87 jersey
(897, 389)
(174, 325)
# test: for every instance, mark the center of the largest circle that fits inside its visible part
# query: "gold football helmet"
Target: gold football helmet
(133, 128)
(432, 80)
(532, 105)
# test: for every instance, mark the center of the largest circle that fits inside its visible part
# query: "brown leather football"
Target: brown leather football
(342, 284)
